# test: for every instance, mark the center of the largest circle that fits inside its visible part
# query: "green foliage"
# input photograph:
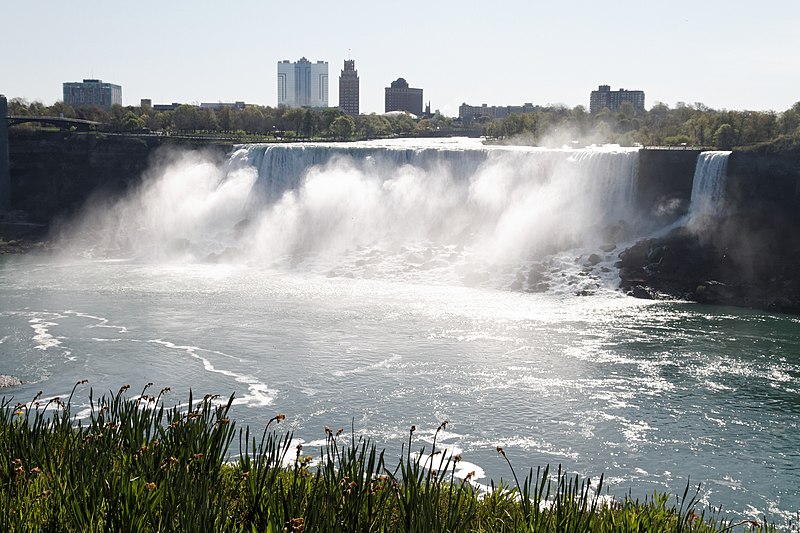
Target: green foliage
(343, 127)
(693, 124)
(374, 126)
(135, 465)
(675, 140)
(724, 137)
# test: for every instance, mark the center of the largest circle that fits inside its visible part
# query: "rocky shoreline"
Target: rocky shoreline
(735, 263)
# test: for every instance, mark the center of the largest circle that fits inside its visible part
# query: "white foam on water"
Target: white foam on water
(42, 338)
(259, 394)
(101, 322)
(444, 462)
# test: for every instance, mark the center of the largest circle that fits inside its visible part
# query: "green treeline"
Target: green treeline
(252, 120)
(685, 124)
(132, 464)
(694, 125)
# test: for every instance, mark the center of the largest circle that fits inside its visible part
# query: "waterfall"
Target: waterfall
(708, 188)
(378, 208)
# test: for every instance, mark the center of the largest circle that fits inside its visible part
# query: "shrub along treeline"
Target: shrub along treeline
(685, 124)
(134, 465)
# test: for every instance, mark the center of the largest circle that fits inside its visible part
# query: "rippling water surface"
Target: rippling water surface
(648, 393)
(387, 330)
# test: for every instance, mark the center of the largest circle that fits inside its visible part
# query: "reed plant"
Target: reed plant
(133, 464)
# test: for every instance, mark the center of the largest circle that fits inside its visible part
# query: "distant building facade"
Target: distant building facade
(401, 97)
(469, 113)
(92, 92)
(166, 107)
(223, 105)
(348, 88)
(605, 98)
(303, 83)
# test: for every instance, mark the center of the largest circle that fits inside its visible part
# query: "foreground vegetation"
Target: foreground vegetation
(135, 465)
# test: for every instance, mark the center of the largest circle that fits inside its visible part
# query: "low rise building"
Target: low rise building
(222, 105)
(468, 113)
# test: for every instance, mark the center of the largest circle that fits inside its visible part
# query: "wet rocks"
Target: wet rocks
(9, 381)
(536, 278)
(735, 263)
(593, 259)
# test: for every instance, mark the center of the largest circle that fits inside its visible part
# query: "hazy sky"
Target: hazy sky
(727, 54)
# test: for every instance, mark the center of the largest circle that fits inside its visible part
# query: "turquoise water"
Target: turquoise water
(345, 288)
(651, 394)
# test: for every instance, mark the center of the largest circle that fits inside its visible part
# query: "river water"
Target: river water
(381, 286)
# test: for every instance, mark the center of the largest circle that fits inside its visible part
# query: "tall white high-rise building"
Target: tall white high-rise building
(303, 83)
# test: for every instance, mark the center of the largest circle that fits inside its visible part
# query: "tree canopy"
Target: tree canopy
(685, 124)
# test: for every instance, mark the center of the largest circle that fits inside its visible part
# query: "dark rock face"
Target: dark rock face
(748, 257)
(740, 262)
(665, 183)
(54, 173)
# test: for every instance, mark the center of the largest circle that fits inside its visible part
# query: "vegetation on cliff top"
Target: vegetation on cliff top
(134, 465)
(685, 124)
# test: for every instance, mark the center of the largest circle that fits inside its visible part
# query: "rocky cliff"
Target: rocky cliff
(748, 256)
(54, 173)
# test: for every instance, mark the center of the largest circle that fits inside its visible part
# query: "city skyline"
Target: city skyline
(727, 55)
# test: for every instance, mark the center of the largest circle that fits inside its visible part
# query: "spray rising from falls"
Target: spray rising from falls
(366, 210)
(708, 189)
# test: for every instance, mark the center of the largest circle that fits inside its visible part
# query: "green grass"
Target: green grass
(136, 465)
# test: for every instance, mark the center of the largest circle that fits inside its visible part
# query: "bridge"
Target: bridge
(59, 122)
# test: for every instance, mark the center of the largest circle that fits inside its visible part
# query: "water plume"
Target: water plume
(370, 210)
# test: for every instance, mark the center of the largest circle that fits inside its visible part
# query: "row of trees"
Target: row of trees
(686, 124)
(299, 123)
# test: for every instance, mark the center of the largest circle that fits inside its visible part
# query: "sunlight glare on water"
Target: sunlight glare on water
(476, 311)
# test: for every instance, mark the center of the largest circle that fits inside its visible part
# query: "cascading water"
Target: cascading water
(327, 282)
(363, 210)
(708, 188)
